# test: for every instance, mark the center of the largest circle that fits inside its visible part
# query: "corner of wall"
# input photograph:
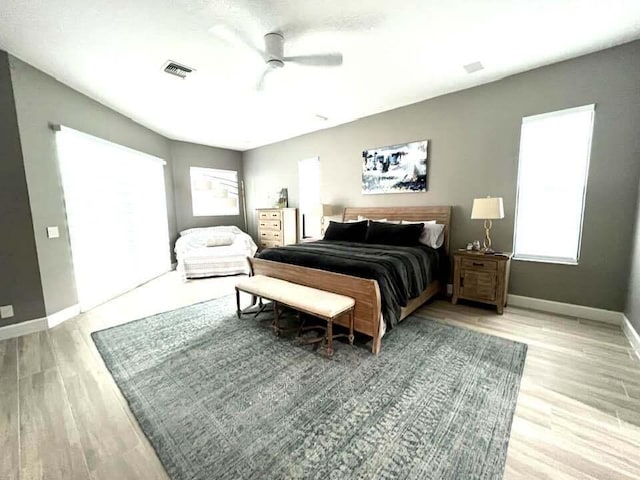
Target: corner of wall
(21, 279)
(632, 303)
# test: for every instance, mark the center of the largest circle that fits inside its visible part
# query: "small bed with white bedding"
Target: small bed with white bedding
(213, 251)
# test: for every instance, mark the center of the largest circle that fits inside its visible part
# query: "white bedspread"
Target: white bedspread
(196, 260)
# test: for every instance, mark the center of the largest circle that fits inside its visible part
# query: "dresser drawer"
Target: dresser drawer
(478, 285)
(270, 235)
(270, 243)
(479, 264)
(270, 215)
(270, 225)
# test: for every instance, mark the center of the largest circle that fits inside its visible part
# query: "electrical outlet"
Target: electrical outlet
(6, 311)
(53, 232)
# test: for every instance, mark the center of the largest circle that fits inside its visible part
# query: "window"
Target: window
(116, 210)
(552, 184)
(309, 188)
(214, 192)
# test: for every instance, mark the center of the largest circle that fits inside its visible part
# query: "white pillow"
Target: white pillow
(220, 240)
(362, 219)
(432, 234)
(206, 231)
(382, 220)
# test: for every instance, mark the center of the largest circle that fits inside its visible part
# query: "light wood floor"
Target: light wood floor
(62, 416)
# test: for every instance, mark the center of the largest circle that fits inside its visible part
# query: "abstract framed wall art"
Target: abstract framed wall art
(395, 169)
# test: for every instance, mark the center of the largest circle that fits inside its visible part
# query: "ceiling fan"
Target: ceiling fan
(274, 57)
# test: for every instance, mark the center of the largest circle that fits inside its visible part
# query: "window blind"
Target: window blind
(552, 184)
(309, 193)
(214, 192)
(116, 212)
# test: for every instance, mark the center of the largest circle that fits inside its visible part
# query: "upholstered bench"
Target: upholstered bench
(325, 305)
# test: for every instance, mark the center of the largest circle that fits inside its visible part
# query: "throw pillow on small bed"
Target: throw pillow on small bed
(220, 240)
(392, 234)
(346, 232)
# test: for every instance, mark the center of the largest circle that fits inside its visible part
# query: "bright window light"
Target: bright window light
(309, 188)
(552, 184)
(214, 192)
(116, 210)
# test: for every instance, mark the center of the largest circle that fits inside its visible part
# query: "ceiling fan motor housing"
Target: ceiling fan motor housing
(274, 50)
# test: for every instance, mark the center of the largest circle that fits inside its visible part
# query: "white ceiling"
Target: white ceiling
(395, 53)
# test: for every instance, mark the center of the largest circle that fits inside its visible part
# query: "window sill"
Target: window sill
(558, 261)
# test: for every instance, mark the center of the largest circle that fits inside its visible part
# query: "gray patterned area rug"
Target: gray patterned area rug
(222, 398)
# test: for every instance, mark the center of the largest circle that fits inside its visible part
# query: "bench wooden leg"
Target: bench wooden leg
(238, 311)
(351, 337)
(276, 319)
(329, 338)
(261, 307)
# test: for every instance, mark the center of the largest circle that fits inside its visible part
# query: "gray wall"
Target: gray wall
(19, 271)
(474, 138)
(185, 155)
(632, 309)
(41, 99)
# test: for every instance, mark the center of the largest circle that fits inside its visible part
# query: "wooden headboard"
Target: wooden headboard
(441, 214)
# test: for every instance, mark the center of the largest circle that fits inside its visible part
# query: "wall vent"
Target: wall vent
(174, 68)
(473, 67)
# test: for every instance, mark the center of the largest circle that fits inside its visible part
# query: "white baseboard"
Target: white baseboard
(63, 315)
(23, 328)
(632, 335)
(568, 309)
(38, 324)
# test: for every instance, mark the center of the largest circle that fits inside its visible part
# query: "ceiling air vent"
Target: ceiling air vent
(473, 67)
(176, 69)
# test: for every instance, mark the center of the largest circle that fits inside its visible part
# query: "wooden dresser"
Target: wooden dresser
(482, 278)
(277, 227)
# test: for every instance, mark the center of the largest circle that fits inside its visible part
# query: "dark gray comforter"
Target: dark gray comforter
(402, 272)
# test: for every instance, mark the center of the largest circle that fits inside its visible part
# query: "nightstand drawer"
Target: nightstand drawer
(270, 225)
(479, 264)
(476, 284)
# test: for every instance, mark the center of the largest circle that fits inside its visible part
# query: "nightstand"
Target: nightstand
(481, 278)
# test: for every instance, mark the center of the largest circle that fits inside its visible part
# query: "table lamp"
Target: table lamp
(487, 209)
(324, 210)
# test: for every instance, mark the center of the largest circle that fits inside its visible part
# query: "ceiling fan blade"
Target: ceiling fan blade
(321, 60)
(263, 77)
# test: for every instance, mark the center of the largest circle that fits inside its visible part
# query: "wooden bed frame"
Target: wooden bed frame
(365, 292)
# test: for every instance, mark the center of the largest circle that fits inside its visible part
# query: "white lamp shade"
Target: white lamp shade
(324, 210)
(489, 208)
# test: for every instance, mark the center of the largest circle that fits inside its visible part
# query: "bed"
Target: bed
(370, 317)
(198, 260)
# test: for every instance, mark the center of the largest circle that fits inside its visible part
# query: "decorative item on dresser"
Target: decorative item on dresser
(481, 277)
(277, 227)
